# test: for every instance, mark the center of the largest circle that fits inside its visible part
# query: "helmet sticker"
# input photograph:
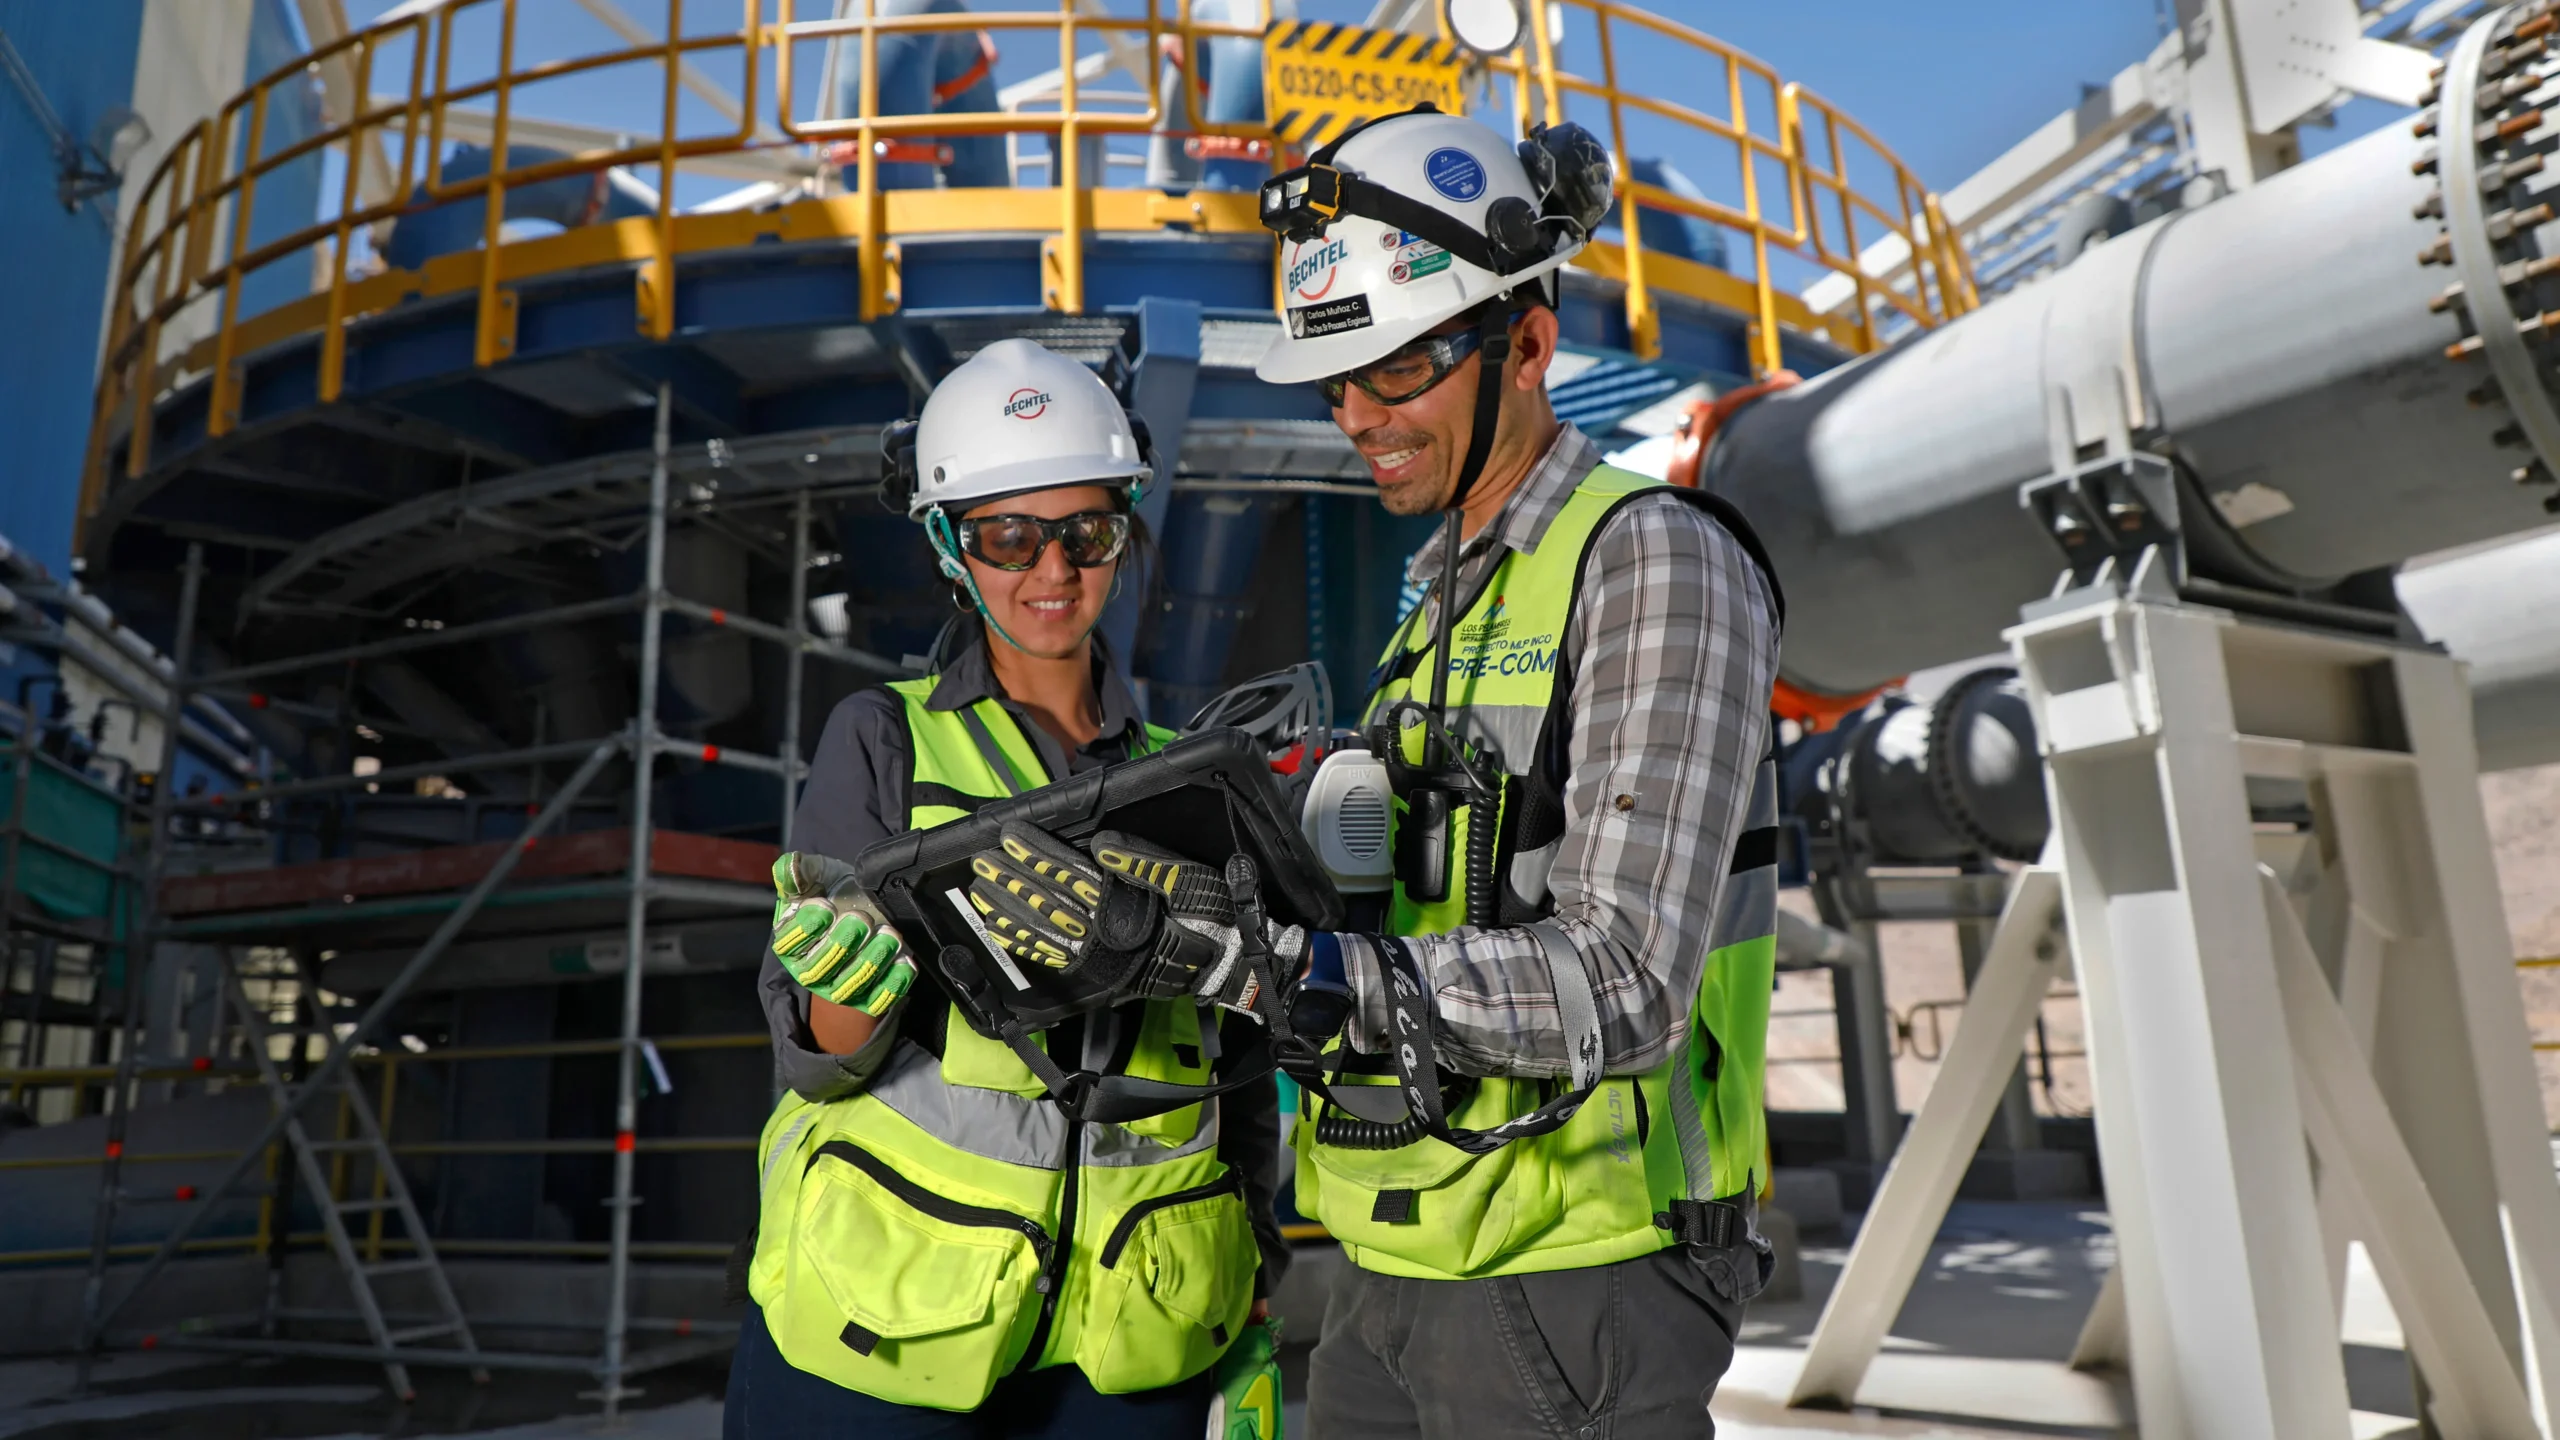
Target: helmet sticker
(1418, 262)
(1027, 404)
(1307, 322)
(1314, 268)
(1454, 173)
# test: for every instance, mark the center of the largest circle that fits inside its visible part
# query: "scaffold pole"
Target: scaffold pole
(139, 952)
(635, 929)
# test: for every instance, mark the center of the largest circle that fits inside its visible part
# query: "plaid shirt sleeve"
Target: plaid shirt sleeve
(1673, 648)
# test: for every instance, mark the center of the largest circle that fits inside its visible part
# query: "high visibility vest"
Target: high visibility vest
(948, 1226)
(1692, 1127)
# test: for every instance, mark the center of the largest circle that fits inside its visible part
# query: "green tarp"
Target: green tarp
(80, 817)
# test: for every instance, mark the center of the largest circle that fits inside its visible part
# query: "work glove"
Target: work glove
(831, 935)
(1123, 913)
(1247, 1406)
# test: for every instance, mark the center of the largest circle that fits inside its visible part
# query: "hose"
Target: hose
(1339, 1127)
(1484, 826)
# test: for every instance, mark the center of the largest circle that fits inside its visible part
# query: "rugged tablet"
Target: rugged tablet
(1206, 796)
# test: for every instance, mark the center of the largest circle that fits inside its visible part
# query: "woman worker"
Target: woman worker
(935, 1235)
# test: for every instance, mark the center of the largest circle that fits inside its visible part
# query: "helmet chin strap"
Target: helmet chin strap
(946, 547)
(1493, 336)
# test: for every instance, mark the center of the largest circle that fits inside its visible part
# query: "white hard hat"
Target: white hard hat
(1016, 418)
(1365, 284)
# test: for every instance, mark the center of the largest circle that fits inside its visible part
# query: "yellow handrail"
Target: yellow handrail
(188, 240)
(1942, 287)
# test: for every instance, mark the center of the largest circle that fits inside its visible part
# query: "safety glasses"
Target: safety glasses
(1014, 542)
(1408, 372)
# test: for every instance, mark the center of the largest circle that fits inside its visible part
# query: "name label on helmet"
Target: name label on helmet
(1027, 404)
(1307, 322)
(1454, 173)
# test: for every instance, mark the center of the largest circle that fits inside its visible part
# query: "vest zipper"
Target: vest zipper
(1229, 1183)
(940, 1207)
(1053, 1280)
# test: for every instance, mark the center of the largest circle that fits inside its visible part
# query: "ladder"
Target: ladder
(446, 1323)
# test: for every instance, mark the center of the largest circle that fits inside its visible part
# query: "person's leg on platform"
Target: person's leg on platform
(1630, 1351)
(1355, 1386)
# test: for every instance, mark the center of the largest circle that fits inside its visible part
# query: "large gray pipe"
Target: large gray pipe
(2277, 344)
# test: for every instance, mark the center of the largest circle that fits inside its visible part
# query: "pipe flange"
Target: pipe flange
(1954, 806)
(2482, 105)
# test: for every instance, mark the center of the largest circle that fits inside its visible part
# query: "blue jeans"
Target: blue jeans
(771, 1400)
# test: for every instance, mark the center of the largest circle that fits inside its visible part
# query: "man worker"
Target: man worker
(1565, 1251)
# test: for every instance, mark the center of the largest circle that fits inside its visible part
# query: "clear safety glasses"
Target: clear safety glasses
(1407, 373)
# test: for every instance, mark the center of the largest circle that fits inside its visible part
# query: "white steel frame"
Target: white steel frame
(2250, 988)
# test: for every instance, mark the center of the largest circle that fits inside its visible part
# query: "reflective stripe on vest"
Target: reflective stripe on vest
(1691, 1128)
(906, 1232)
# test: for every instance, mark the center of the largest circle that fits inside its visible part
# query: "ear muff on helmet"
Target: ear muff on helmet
(1570, 169)
(1511, 223)
(898, 465)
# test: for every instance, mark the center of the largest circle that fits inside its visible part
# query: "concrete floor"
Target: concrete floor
(1976, 1353)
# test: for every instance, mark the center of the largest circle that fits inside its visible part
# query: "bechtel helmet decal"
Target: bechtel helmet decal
(1355, 286)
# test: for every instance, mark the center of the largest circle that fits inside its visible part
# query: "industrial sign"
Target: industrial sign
(1323, 79)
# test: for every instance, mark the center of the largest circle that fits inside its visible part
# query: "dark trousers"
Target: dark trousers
(1630, 1351)
(771, 1400)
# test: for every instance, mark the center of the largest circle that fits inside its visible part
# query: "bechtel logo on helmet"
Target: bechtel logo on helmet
(1314, 267)
(1027, 404)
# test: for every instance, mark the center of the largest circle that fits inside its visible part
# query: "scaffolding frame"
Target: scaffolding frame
(642, 742)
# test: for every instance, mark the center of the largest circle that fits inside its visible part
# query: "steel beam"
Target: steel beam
(2024, 960)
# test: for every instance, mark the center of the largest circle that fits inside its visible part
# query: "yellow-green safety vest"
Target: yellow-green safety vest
(1689, 1129)
(908, 1235)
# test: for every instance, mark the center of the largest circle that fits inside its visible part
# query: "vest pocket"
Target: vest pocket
(1172, 1286)
(902, 1292)
(1436, 1207)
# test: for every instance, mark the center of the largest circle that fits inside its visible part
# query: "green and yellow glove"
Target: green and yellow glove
(833, 938)
(1248, 1403)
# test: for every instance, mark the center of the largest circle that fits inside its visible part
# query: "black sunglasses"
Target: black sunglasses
(1014, 542)
(1407, 373)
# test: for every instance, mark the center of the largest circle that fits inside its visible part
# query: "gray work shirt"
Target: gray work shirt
(856, 796)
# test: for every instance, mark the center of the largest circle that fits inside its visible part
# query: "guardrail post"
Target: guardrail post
(658, 277)
(493, 331)
(873, 207)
